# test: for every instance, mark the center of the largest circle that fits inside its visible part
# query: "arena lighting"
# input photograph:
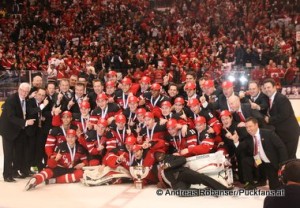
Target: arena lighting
(243, 80)
(231, 78)
(240, 77)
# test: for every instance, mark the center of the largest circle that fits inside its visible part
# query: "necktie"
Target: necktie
(270, 102)
(79, 101)
(242, 118)
(255, 146)
(23, 108)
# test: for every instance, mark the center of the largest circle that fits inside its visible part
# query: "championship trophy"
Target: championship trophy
(139, 173)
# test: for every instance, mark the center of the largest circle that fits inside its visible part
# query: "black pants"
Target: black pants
(31, 150)
(189, 176)
(239, 158)
(291, 147)
(14, 151)
(41, 157)
(270, 172)
(250, 172)
(290, 140)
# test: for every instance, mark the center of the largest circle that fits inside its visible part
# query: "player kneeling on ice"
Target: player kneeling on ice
(172, 173)
(65, 165)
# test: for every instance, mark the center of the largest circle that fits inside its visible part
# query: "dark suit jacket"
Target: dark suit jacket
(92, 99)
(249, 112)
(273, 146)
(46, 113)
(282, 117)
(33, 111)
(65, 100)
(212, 100)
(76, 108)
(263, 101)
(176, 166)
(12, 120)
(228, 143)
(33, 89)
(221, 102)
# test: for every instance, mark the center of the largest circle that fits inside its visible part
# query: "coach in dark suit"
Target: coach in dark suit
(77, 97)
(64, 97)
(98, 89)
(46, 118)
(36, 109)
(227, 92)
(242, 111)
(258, 100)
(282, 117)
(12, 124)
(267, 149)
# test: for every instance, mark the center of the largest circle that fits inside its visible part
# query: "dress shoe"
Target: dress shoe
(30, 173)
(249, 186)
(27, 173)
(260, 183)
(9, 179)
(19, 175)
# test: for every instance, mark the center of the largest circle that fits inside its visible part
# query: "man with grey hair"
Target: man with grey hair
(242, 111)
(12, 128)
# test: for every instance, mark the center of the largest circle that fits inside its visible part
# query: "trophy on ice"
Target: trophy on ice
(139, 173)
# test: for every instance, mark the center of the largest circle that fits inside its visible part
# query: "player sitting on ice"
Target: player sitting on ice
(65, 166)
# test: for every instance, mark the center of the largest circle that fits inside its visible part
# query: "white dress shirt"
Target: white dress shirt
(261, 151)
